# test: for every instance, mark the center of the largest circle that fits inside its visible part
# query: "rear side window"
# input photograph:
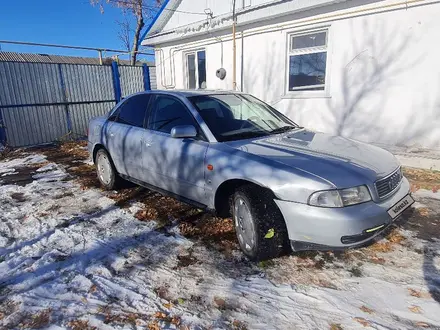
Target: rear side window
(132, 111)
(168, 112)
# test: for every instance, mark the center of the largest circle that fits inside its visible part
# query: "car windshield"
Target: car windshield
(239, 116)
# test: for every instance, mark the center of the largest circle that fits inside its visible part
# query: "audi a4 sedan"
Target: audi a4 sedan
(285, 187)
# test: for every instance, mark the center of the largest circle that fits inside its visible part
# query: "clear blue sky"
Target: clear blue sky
(70, 22)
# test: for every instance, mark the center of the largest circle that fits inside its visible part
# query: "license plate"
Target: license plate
(400, 206)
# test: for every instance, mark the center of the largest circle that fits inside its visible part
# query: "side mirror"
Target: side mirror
(184, 131)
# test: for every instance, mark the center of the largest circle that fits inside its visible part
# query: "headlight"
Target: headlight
(355, 195)
(340, 198)
(328, 198)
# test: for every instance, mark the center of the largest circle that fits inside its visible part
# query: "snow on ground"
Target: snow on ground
(70, 258)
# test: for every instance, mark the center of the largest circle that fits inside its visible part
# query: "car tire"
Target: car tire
(106, 172)
(259, 224)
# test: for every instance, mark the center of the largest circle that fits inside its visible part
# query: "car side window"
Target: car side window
(132, 111)
(166, 113)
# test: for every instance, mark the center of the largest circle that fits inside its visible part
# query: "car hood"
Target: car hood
(342, 161)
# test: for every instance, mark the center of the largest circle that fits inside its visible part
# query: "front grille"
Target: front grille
(387, 185)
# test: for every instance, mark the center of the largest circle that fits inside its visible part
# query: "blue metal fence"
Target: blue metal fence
(42, 102)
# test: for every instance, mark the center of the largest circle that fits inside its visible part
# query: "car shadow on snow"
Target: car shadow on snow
(431, 273)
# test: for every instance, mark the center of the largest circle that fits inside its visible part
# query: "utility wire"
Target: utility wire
(122, 2)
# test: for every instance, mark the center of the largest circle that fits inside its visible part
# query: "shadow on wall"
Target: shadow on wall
(267, 82)
(366, 83)
(364, 91)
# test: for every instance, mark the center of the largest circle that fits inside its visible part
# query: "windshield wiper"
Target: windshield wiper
(243, 135)
(283, 129)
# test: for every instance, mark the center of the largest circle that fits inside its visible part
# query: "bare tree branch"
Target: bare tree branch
(125, 32)
(141, 11)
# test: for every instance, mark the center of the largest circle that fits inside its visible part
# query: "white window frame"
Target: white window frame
(185, 69)
(299, 92)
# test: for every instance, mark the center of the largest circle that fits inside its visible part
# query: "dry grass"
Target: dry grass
(381, 247)
(163, 292)
(10, 153)
(422, 179)
(220, 303)
(185, 260)
(174, 320)
(80, 325)
(239, 325)
(362, 321)
(419, 293)
(393, 239)
(38, 321)
(422, 325)
(8, 307)
(415, 309)
(134, 319)
(366, 309)
(335, 326)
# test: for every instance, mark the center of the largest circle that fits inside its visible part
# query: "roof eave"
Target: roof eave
(245, 16)
(153, 22)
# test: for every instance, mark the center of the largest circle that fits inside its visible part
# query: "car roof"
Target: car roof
(195, 92)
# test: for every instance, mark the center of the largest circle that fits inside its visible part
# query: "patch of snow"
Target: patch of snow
(88, 161)
(9, 166)
(10, 171)
(418, 205)
(74, 252)
(424, 193)
(48, 167)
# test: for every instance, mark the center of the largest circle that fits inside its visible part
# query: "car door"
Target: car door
(125, 133)
(176, 164)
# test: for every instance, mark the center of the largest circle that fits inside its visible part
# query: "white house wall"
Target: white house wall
(383, 78)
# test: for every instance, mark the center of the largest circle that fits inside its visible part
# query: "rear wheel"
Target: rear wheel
(259, 224)
(107, 175)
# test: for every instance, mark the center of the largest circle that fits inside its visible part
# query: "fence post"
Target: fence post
(116, 81)
(146, 71)
(3, 139)
(65, 100)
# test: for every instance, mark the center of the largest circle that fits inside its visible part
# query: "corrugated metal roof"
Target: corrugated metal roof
(46, 58)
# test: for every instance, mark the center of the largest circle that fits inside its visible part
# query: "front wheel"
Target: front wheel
(259, 224)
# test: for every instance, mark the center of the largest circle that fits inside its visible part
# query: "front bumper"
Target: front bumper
(350, 226)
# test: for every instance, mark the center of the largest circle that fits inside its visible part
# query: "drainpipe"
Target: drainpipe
(234, 49)
(242, 55)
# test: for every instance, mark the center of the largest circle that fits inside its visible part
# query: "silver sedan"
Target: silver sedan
(286, 187)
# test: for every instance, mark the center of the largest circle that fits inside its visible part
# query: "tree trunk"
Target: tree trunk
(139, 26)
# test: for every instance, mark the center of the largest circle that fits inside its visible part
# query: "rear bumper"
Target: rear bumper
(333, 228)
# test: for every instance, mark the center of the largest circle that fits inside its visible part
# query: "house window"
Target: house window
(196, 70)
(307, 61)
